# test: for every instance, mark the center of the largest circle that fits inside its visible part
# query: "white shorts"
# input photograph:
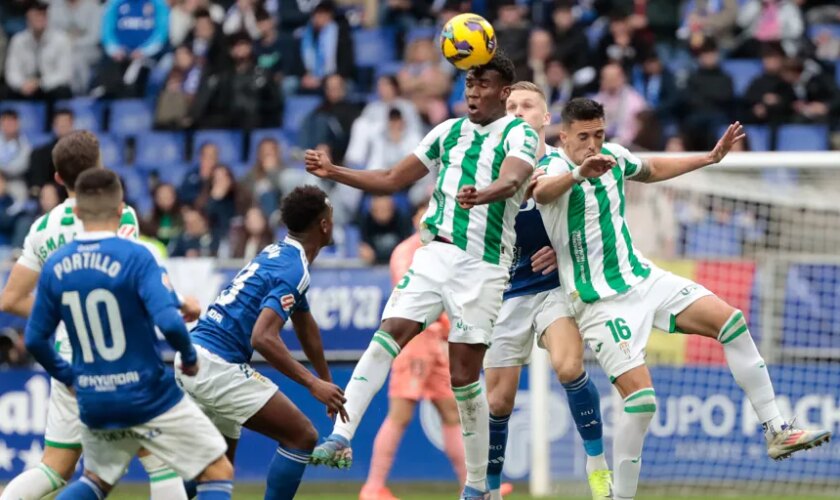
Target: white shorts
(64, 429)
(521, 321)
(228, 393)
(443, 277)
(617, 328)
(183, 437)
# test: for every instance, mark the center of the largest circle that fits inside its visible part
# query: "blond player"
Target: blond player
(72, 155)
(617, 296)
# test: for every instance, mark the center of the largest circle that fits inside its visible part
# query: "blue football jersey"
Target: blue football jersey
(111, 293)
(277, 278)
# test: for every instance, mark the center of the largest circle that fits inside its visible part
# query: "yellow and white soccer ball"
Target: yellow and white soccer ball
(468, 40)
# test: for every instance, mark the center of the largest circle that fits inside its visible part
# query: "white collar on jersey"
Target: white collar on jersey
(295, 243)
(94, 235)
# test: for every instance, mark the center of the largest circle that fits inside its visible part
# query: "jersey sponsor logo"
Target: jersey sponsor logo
(215, 315)
(287, 302)
(165, 279)
(109, 382)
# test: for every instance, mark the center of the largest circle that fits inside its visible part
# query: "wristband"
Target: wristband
(577, 176)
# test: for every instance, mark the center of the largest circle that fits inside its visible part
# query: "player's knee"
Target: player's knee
(567, 367)
(734, 327)
(500, 403)
(461, 377)
(641, 405)
(305, 439)
(219, 470)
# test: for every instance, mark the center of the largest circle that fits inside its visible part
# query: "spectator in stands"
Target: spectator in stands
(374, 119)
(621, 44)
(8, 212)
(39, 64)
(242, 96)
(709, 98)
(345, 200)
(424, 81)
(164, 223)
(196, 240)
(389, 144)
(657, 21)
(512, 31)
(173, 104)
(221, 201)
(822, 12)
(14, 154)
(827, 44)
(182, 17)
(816, 96)
(658, 87)
(269, 179)
(769, 97)
(276, 54)
(13, 353)
(134, 32)
(13, 15)
(326, 47)
(764, 21)
(242, 16)
(382, 228)
(540, 48)
(403, 15)
(621, 104)
(560, 86)
(76, 18)
(197, 179)
(649, 136)
(571, 45)
(250, 236)
(208, 44)
(713, 19)
(330, 123)
(41, 168)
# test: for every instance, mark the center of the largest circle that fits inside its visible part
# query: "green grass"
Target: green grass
(437, 491)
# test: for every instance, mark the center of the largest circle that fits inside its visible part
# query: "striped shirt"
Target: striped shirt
(588, 230)
(470, 154)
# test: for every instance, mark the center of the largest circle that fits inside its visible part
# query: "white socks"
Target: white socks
(475, 413)
(749, 370)
(595, 463)
(631, 426)
(368, 377)
(164, 483)
(33, 484)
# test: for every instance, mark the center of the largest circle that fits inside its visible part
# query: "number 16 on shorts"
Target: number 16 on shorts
(620, 334)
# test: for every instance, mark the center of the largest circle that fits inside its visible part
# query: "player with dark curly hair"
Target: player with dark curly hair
(248, 315)
(484, 161)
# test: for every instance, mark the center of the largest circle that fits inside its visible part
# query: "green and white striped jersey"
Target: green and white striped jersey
(588, 231)
(470, 154)
(53, 230)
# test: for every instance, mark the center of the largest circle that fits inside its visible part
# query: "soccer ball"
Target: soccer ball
(468, 40)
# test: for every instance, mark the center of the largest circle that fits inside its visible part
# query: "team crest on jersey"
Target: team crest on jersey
(287, 302)
(126, 231)
(165, 279)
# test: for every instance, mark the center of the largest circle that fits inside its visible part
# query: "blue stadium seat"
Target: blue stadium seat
(758, 136)
(39, 138)
(388, 68)
(111, 149)
(87, 112)
(374, 46)
(802, 138)
(743, 72)
(33, 115)
(258, 135)
(816, 29)
(229, 143)
(130, 117)
(239, 169)
(159, 149)
(297, 108)
(421, 33)
(171, 173)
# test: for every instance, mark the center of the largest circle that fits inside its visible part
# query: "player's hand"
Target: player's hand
(332, 396)
(190, 370)
(467, 197)
(733, 134)
(544, 261)
(191, 309)
(318, 163)
(533, 183)
(596, 165)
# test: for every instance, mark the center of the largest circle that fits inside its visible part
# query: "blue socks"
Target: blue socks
(83, 489)
(498, 443)
(285, 473)
(215, 490)
(585, 405)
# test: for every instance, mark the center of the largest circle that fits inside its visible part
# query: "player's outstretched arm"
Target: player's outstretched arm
(513, 174)
(265, 339)
(405, 173)
(17, 297)
(40, 330)
(662, 169)
(551, 187)
(309, 335)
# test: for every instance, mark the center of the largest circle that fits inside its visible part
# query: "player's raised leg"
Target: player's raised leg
(711, 317)
(565, 346)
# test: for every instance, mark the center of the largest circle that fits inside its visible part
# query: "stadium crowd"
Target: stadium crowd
(203, 107)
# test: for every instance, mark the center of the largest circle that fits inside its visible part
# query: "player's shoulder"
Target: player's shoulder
(554, 161)
(285, 261)
(616, 150)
